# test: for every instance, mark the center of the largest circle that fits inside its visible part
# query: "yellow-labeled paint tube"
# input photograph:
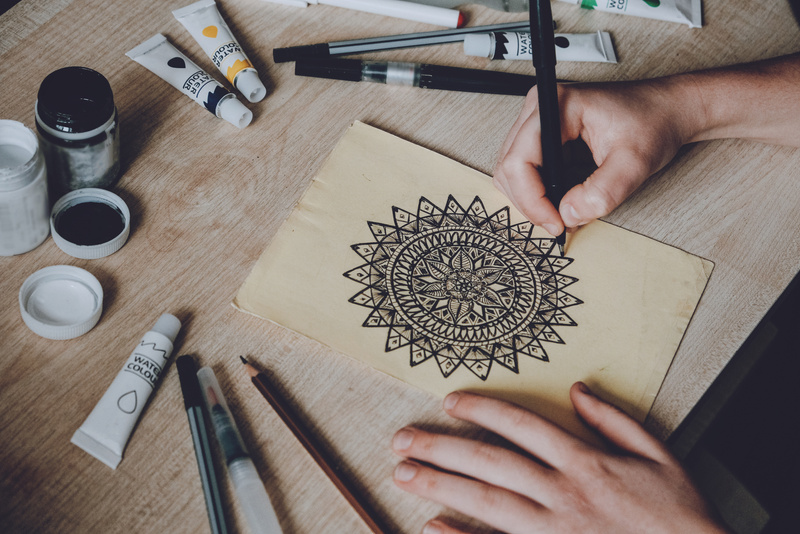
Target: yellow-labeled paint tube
(207, 26)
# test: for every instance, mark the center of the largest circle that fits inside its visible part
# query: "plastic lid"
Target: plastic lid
(75, 99)
(167, 325)
(61, 302)
(90, 223)
(249, 84)
(478, 44)
(234, 112)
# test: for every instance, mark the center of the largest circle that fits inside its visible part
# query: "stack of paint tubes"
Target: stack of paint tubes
(207, 26)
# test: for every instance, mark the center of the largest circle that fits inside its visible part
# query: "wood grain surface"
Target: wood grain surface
(206, 199)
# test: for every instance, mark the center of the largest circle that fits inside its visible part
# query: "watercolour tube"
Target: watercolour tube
(105, 432)
(595, 47)
(161, 58)
(686, 11)
(207, 26)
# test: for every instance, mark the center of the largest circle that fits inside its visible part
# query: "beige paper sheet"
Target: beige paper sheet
(625, 300)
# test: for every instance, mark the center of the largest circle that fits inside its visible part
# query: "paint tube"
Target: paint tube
(207, 26)
(685, 11)
(161, 58)
(105, 432)
(517, 45)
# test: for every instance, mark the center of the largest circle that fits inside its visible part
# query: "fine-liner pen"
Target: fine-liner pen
(246, 482)
(390, 42)
(418, 75)
(195, 411)
(544, 61)
(500, 5)
(401, 9)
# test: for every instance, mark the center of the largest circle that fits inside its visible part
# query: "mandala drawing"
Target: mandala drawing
(463, 286)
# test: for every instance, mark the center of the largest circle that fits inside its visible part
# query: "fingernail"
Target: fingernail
(451, 400)
(434, 527)
(584, 388)
(405, 471)
(552, 229)
(570, 216)
(402, 440)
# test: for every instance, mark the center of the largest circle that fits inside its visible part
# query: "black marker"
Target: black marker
(544, 60)
(193, 401)
(418, 75)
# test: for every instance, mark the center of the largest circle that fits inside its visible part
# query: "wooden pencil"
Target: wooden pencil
(261, 382)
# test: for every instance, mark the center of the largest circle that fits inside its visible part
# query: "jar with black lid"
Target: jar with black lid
(77, 124)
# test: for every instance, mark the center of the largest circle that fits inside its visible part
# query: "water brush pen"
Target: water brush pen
(246, 482)
(195, 411)
(417, 75)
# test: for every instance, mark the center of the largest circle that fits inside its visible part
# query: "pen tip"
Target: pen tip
(561, 249)
(244, 361)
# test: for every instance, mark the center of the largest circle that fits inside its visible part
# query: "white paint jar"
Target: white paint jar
(24, 207)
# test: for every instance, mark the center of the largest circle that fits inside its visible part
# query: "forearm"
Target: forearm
(758, 101)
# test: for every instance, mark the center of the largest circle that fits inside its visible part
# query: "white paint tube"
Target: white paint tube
(686, 11)
(209, 29)
(595, 47)
(105, 432)
(161, 58)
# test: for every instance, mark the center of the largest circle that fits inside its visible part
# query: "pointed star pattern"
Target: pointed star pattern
(463, 287)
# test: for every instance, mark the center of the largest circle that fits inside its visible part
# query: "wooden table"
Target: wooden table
(206, 200)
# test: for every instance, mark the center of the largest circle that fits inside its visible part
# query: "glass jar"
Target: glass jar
(24, 208)
(77, 124)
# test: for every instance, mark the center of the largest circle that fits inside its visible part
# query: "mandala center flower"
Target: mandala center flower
(465, 286)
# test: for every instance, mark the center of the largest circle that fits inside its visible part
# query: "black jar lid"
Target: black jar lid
(75, 99)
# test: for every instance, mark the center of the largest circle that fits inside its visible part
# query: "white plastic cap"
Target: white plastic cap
(61, 302)
(478, 44)
(249, 84)
(167, 325)
(97, 196)
(234, 112)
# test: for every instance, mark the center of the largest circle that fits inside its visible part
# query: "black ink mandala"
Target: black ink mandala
(463, 286)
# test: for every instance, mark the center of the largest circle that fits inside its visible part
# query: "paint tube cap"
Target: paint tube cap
(167, 325)
(61, 302)
(249, 84)
(478, 44)
(234, 112)
(90, 223)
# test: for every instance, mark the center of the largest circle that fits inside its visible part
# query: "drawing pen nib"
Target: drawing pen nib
(561, 249)
(244, 361)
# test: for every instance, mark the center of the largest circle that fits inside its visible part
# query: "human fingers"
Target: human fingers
(529, 107)
(517, 175)
(607, 187)
(545, 440)
(616, 426)
(434, 526)
(495, 465)
(497, 507)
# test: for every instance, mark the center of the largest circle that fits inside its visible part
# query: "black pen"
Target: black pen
(195, 411)
(544, 61)
(417, 75)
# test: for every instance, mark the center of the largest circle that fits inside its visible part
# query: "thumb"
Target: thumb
(607, 187)
(616, 426)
